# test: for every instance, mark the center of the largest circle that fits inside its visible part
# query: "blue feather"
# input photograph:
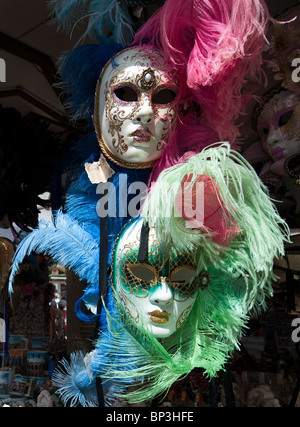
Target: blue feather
(82, 198)
(113, 15)
(67, 244)
(100, 16)
(79, 71)
(67, 11)
(74, 382)
(76, 387)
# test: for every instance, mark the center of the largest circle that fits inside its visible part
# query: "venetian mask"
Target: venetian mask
(136, 107)
(159, 292)
(279, 126)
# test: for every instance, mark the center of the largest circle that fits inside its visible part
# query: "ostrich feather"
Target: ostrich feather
(263, 232)
(67, 244)
(133, 359)
(214, 45)
(74, 383)
(106, 20)
(112, 15)
(79, 71)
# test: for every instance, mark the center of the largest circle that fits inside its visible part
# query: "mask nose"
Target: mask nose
(145, 113)
(162, 295)
(274, 137)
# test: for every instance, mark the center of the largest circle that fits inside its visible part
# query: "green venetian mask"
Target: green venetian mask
(164, 283)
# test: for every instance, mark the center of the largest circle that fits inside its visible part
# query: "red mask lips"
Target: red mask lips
(160, 317)
(278, 153)
(142, 135)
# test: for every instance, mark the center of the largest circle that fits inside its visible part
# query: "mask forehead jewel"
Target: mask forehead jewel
(147, 79)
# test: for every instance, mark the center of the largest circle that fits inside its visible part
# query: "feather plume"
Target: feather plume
(214, 46)
(68, 12)
(72, 378)
(79, 71)
(110, 15)
(67, 244)
(263, 232)
(133, 359)
(106, 21)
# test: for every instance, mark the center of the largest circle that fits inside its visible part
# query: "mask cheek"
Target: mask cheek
(129, 306)
(165, 123)
(183, 311)
(171, 115)
(137, 309)
(291, 131)
(119, 117)
(181, 297)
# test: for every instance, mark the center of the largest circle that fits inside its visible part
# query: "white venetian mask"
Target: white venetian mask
(279, 126)
(135, 107)
(159, 292)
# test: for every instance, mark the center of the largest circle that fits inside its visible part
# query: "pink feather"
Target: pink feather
(200, 204)
(214, 45)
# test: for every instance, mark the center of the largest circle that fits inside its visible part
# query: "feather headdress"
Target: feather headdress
(239, 270)
(217, 39)
(214, 46)
(246, 218)
(106, 21)
(66, 242)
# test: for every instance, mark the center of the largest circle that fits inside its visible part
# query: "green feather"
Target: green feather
(263, 232)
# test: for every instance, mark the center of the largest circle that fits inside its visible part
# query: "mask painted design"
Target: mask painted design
(158, 293)
(279, 126)
(136, 107)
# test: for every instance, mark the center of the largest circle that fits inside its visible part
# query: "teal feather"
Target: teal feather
(97, 16)
(73, 379)
(111, 14)
(68, 12)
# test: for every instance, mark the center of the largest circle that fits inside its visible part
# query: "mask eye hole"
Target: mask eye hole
(126, 93)
(285, 118)
(142, 272)
(164, 96)
(183, 274)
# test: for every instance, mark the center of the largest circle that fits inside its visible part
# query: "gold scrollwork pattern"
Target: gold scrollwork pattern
(178, 271)
(182, 318)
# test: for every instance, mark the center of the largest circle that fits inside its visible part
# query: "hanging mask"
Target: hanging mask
(136, 107)
(159, 292)
(279, 125)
